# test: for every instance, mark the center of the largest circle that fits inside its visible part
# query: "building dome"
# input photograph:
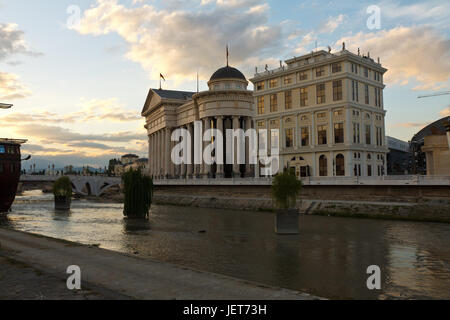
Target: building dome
(227, 73)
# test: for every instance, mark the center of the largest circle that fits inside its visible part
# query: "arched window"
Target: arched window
(340, 165)
(323, 172)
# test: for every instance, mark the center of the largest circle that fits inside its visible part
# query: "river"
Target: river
(329, 257)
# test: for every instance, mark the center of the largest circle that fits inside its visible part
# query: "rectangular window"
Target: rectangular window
(322, 135)
(261, 123)
(320, 72)
(379, 137)
(338, 133)
(288, 99)
(336, 67)
(260, 86)
(369, 170)
(338, 113)
(274, 139)
(305, 136)
(260, 105)
(2, 149)
(368, 134)
(354, 68)
(337, 90)
(273, 102)
(273, 83)
(303, 97)
(320, 89)
(288, 79)
(356, 133)
(366, 94)
(321, 115)
(302, 76)
(355, 94)
(366, 72)
(289, 138)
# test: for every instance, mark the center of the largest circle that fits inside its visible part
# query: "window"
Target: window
(289, 138)
(320, 88)
(322, 134)
(261, 123)
(366, 72)
(337, 90)
(274, 139)
(367, 94)
(260, 86)
(288, 100)
(355, 90)
(338, 113)
(321, 115)
(273, 102)
(303, 76)
(303, 97)
(368, 134)
(369, 170)
(227, 86)
(273, 83)
(338, 133)
(260, 105)
(340, 165)
(377, 97)
(336, 67)
(320, 72)
(356, 138)
(238, 86)
(305, 136)
(323, 172)
(379, 137)
(217, 87)
(2, 149)
(354, 68)
(357, 170)
(288, 79)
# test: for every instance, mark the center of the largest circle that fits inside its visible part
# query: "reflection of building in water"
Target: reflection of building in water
(329, 111)
(398, 156)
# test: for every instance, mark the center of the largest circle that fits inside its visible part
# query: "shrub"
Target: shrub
(62, 187)
(285, 190)
(138, 190)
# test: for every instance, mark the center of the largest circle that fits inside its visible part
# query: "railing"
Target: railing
(383, 181)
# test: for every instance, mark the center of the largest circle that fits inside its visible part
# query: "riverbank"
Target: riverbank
(35, 268)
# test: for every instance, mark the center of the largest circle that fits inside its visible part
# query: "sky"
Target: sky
(78, 72)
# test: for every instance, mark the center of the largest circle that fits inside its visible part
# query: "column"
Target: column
(206, 167)
(156, 154)
(190, 165)
(248, 126)
(236, 169)
(171, 163)
(297, 133)
(161, 153)
(183, 166)
(331, 135)
(313, 130)
(348, 127)
(167, 157)
(220, 170)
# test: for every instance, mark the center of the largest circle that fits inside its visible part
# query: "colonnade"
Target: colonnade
(161, 165)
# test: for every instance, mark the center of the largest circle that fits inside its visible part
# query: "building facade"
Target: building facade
(398, 157)
(329, 111)
(226, 105)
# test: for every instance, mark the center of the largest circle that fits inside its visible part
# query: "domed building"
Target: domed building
(226, 105)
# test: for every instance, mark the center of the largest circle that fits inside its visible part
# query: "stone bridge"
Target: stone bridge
(84, 185)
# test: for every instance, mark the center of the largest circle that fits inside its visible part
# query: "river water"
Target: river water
(329, 258)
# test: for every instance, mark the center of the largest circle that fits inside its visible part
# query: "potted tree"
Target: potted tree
(285, 190)
(138, 190)
(62, 190)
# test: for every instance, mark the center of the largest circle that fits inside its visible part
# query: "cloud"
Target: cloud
(419, 11)
(411, 125)
(445, 112)
(178, 42)
(12, 42)
(11, 88)
(418, 53)
(332, 24)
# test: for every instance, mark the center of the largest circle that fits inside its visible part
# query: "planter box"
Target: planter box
(62, 202)
(287, 222)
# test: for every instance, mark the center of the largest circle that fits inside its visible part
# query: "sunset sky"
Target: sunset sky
(78, 85)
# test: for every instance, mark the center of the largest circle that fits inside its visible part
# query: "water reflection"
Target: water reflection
(328, 258)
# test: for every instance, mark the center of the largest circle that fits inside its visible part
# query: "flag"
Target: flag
(161, 76)
(228, 54)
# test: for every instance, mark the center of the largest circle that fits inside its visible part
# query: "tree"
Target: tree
(285, 189)
(138, 190)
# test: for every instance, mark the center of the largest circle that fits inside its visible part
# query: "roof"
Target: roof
(130, 156)
(172, 94)
(436, 128)
(227, 73)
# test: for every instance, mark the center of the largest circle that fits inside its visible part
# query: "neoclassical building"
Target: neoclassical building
(226, 105)
(327, 108)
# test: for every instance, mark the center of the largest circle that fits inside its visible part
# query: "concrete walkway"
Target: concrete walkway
(131, 276)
